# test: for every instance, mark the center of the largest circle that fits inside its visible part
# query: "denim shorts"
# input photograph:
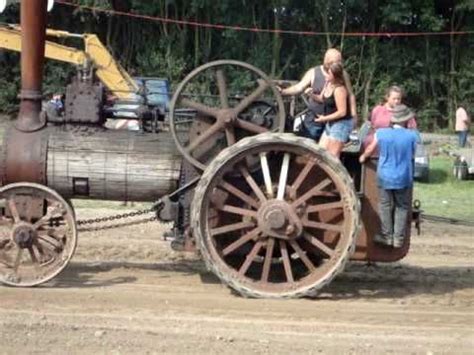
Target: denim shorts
(339, 130)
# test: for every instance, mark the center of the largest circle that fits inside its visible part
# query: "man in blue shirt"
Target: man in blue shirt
(396, 146)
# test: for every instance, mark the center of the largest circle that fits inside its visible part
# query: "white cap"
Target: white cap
(5, 3)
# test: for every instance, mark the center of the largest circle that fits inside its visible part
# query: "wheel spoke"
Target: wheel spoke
(286, 261)
(252, 184)
(283, 176)
(17, 260)
(303, 174)
(302, 256)
(266, 174)
(250, 258)
(238, 193)
(14, 210)
(230, 136)
(33, 256)
(203, 137)
(241, 241)
(249, 126)
(201, 108)
(222, 86)
(318, 244)
(323, 226)
(49, 215)
(53, 245)
(312, 192)
(325, 207)
(268, 259)
(231, 228)
(262, 86)
(239, 211)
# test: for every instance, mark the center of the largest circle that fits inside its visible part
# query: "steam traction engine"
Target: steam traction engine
(272, 214)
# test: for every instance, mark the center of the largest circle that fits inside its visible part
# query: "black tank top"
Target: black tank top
(318, 84)
(329, 106)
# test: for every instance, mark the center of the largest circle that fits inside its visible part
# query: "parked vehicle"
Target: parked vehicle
(422, 163)
(463, 163)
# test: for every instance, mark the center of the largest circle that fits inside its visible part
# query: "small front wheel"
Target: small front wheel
(38, 234)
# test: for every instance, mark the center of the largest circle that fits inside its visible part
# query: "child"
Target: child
(396, 146)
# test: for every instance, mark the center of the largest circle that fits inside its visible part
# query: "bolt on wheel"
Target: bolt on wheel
(37, 234)
(275, 216)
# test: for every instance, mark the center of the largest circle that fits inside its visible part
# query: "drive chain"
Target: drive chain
(156, 208)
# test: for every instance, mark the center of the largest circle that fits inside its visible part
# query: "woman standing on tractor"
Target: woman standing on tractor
(335, 98)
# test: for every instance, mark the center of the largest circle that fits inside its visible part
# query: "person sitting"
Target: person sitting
(396, 146)
(312, 84)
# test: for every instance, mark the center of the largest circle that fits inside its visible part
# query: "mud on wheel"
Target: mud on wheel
(275, 216)
(37, 234)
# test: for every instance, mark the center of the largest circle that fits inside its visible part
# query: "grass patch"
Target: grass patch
(443, 195)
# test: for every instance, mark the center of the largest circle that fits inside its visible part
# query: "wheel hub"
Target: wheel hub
(226, 116)
(278, 219)
(24, 235)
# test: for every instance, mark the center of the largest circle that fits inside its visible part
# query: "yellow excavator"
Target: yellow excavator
(134, 98)
(95, 55)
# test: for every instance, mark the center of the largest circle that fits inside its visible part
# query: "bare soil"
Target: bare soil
(126, 291)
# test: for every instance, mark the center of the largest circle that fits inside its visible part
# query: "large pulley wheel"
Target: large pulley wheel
(220, 103)
(37, 234)
(275, 216)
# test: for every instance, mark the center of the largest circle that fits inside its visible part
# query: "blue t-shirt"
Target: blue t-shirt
(396, 153)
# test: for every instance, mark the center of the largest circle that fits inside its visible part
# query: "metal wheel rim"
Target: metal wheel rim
(305, 285)
(196, 72)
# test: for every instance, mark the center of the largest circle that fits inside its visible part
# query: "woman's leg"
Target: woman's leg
(335, 147)
(324, 141)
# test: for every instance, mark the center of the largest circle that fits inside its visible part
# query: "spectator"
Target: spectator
(312, 84)
(462, 125)
(382, 113)
(397, 146)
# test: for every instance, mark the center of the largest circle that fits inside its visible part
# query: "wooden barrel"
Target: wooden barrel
(112, 165)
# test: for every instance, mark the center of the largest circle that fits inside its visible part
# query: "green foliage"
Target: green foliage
(437, 72)
(444, 195)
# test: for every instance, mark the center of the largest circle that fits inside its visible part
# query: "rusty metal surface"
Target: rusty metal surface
(33, 24)
(37, 234)
(366, 249)
(219, 116)
(275, 216)
(84, 101)
(24, 156)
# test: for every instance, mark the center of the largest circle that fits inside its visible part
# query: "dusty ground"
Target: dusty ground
(127, 292)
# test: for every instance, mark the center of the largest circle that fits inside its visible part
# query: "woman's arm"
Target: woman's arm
(340, 96)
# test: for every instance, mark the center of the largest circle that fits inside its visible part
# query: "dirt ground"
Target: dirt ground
(126, 291)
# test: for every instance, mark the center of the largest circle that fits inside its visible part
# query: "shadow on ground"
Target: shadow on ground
(358, 281)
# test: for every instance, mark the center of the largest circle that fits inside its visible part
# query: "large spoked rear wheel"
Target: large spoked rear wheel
(275, 216)
(218, 104)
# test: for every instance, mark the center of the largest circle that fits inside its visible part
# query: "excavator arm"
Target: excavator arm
(107, 70)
